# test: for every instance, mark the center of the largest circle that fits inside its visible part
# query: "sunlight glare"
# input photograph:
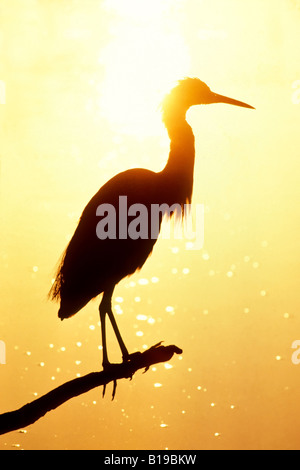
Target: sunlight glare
(139, 11)
(142, 61)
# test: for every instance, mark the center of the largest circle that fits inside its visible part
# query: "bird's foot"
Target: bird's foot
(129, 357)
(107, 367)
(113, 392)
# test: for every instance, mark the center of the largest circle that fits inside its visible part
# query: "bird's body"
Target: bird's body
(91, 266)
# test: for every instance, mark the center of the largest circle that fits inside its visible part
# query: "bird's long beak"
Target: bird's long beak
(223, 99)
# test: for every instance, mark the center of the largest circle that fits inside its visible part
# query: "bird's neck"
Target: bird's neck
(179, 170)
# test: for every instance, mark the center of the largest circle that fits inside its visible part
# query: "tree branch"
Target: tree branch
(35, 410)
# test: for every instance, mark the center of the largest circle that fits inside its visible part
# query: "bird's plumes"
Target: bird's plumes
(54, 293)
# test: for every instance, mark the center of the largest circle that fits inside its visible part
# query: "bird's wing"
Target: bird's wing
(90, 264)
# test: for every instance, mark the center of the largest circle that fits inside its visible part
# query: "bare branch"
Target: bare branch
(35, 410)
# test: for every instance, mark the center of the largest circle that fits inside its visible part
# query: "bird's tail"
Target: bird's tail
(63, 313)
(55, 291)
(55, 294)
(70, 299)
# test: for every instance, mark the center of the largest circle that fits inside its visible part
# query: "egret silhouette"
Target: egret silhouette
(90, 265)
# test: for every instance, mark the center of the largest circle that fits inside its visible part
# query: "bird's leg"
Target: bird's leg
(104, 306)
(123, 348)
(103, 311)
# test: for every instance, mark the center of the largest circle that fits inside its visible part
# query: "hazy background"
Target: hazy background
(83, 83)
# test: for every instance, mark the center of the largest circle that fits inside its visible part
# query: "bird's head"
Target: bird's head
(192, 91)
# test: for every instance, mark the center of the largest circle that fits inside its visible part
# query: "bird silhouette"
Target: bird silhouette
(92, 265)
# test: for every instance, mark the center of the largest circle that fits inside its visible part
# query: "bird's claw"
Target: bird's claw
(107, 367)
(126, 360)
(129, 357)
(113, 392)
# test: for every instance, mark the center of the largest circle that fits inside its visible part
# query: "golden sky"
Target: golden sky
(81, 83)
